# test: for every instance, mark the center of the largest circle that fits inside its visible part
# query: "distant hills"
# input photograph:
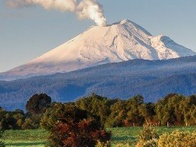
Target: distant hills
(121, 41)
(151, 78)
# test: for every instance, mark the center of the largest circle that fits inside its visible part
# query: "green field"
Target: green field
(127, 136)
(25, 138)
(37, 138)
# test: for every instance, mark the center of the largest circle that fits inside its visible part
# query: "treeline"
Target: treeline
(18, 119)
(174, 109)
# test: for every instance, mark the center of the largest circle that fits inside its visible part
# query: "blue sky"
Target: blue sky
(27, 33)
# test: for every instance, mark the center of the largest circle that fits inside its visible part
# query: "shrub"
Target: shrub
(102, 144)
(122, 145)
(177, 138)
(148, 138)
(86, 133)
(73, 127)
(1, 142)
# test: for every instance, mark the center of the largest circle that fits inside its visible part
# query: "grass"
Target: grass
(25, 138)
(126, 136)
(129, 135)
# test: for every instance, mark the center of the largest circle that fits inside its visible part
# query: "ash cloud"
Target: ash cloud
(85, 9)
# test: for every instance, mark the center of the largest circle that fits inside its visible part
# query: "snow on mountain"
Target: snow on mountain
(121, 41)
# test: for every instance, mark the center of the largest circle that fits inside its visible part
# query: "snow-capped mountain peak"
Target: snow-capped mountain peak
(121, 41)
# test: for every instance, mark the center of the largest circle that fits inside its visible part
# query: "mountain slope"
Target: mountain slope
(152, 79)
(121, 41)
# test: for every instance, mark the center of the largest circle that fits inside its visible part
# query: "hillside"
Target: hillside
(152, 79)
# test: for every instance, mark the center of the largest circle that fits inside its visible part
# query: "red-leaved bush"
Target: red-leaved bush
(85, 133)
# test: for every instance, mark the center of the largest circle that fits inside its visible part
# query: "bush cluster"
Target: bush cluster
(178, 139)
(149, 138)
(73, 127)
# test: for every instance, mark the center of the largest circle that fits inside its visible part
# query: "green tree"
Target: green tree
(135, 110)
(38, 103)
(59, 111)
(170, 109)
(29, 124)
(190, 116)
(96, 105)
(1, 129)
(148, 112)
(35, 107)
(189, 110)
(19, 116)
(51, 115)
(117, 115)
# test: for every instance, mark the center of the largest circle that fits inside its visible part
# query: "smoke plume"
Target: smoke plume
(85, 9)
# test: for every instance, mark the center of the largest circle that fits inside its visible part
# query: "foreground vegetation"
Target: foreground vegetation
(120, 136)
(130, 135)
(84, 122)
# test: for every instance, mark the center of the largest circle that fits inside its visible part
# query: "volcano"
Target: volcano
(121, 41)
